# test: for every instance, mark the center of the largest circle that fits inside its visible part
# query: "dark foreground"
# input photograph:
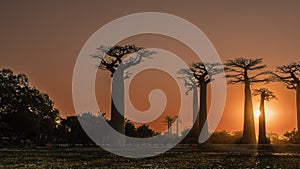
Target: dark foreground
(213, 156)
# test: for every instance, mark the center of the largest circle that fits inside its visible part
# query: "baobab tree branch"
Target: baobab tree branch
(288, 74)
(261, 74)
(188, 78)
(111, 57)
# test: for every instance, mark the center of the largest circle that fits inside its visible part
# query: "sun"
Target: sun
(256, 113)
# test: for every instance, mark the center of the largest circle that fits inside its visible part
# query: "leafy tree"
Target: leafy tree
(225, 137)
(292, 136)
(28, 112)
(290, 76)
(265, 95)
(144, 131)
(74, 131)
(247, 71)
(130, 129)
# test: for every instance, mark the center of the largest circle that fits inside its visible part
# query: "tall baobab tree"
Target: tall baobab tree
(247, 71)
(265, 95)
(190, 83)
(111, 59)
(168, 120)
(290, 76)
(202, 75)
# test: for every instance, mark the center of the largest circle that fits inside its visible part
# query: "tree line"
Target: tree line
(246, 71)
(28, 115)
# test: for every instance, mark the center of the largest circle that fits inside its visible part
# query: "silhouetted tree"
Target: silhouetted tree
(144, 131)
(290, 76)
(190, 83)
(27, 111)
(204, 73)
(200, 75)
(74, 133)
(111, 59)
(130, 129)
(247, 71)
(265, 95)
(168, 120)
(292, 136)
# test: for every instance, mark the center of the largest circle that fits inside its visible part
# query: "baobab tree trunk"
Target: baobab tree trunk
(192, 136)
(262, 137)
(249, 130)
(117, 112)
(203, 111)
(298, 107)
(195, 106)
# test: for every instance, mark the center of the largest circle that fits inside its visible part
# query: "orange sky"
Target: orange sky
(43, 39)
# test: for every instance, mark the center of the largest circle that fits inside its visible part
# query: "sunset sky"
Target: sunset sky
(43, 39)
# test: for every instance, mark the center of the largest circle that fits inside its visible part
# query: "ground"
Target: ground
(212, 156)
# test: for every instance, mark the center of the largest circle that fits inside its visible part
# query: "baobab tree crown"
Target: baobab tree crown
(289, 75)
(265, 93)
(204, 72)
(238, 71)
(111, 57)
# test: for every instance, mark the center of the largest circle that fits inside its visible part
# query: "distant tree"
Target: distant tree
(290, 76)
(276, 139)
(74, 133)
(292, 136)
(168, 120)
(225, 137)
(111, 59)
(248, 72)
(265, 95)
(130, 129)
(144, 131)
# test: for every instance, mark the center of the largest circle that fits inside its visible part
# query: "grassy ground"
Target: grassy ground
(216, 156)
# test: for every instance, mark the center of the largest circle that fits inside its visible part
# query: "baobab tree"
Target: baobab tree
(204, 73)
(190, 83)
(200, 75)
(265, 95)
(290, 76)
(168, 120)
(111, 59)
(247, 71)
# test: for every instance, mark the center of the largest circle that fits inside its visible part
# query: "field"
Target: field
(215, 156)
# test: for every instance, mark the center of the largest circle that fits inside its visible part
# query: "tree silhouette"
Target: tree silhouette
(265, 95)
(168, 120)
(200, 75)
(248, 72)
(130, 129)
(24, 109)
(144, 131)
(190, 83)
(111, 59)
(290, 76)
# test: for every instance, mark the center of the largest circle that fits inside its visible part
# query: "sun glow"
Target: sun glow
(256, 113)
